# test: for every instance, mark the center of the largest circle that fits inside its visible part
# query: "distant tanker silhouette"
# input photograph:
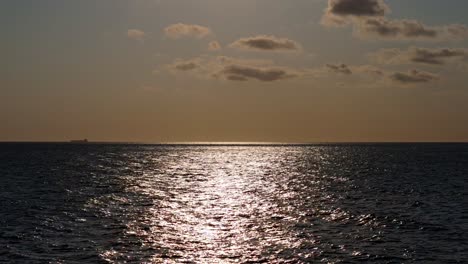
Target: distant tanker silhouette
(81, 141)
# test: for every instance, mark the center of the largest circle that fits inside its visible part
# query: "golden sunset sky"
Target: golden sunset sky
(234, 71)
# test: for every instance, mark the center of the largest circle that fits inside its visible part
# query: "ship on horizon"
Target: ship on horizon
(80, 141)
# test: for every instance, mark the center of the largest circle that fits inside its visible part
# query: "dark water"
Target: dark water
(390, 203)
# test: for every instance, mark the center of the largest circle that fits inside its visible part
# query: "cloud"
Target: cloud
(136, 34)
(244, 73)
(364, 72)
(235, 69)
(266, 43)
(344, 12)
(397, 29)
(369, 20)
(456, 31)
(357, 8)
(185, 65)
(186, 30)
(339, 68)
(406, 29)
(438, 56)
(413, 77)
(214, 45)
(435, 56)
(357, 72)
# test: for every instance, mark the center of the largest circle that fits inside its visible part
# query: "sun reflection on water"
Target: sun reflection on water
(209, 210)
(229, 205)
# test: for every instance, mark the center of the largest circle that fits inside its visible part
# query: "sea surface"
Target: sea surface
(335, 203)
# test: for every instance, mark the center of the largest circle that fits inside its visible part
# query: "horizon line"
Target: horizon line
(229, 143)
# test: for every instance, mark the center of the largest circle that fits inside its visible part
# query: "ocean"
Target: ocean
(323, 203)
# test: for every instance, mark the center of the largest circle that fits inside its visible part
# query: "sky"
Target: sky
(234, 71)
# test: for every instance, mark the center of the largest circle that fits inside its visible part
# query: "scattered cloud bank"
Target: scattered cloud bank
(437, 56)
(369, 20)
(413, 76)
(368, 16)
(378, 75)
(233, 69)
(214, 45)
(181, 30)
(136, 34)
(266, 43)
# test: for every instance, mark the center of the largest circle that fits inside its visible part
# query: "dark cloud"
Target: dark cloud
(413, 77)
(435, 56)
(344, 12)
(457, 31)
(357, 8)
(397, 29)
(243, 73)
(267, 43)
(185, 65)
(438, 56)
(369, 20)
(339, 68)
(409, 29)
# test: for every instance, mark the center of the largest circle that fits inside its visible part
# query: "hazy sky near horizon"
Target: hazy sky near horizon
(244, 70)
